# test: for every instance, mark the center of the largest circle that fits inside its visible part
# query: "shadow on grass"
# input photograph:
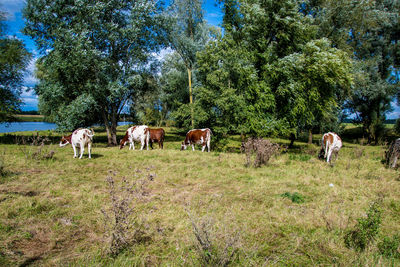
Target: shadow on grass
(95, 155)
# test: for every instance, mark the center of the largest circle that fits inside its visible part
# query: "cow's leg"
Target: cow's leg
(193, 147)
(132, 145)
(394, 162)
(82, 150)
(328, 157)
(89, 147)
(73, 146)
(208, 144)
(204, 146)
(142, 142)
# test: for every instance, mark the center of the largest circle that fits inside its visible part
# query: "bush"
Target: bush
(295, 197)
(366, 230)
(208, 244)
(389, 247)
(393, 153)
(263, 148)
(122, 221)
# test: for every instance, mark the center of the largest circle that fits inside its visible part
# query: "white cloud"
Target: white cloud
(29, 78)
(12, 7)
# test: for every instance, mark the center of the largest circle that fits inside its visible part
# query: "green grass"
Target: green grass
(50, 210)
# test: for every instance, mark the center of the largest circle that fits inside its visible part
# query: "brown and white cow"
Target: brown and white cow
(331, 143)
(157, 136)
(81, 137)
(134, 134)
(197, 136)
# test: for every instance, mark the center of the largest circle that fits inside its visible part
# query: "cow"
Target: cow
(157, 136)
(81, 138)
(197, 136)
(134, 134)
(331, 142)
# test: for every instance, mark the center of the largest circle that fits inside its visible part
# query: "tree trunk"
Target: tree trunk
(310, 136)
(111, 129)
(191, 96)
(292, 137)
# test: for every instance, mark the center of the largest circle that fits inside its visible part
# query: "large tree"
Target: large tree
(370, 32)
(93, 54)
(268, 74)
(14, 59)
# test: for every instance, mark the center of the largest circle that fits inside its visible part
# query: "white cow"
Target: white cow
(136, 134)
(331, 142)
(79, 137)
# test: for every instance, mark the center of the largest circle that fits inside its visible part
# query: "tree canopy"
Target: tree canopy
(93, 56)
(14, 59)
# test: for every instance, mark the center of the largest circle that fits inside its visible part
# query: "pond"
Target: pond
(34, 126)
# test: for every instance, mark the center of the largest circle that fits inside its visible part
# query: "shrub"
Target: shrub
(122, 222)
(208, 248)
(295, 197)
(263, 148)
(389, 247)
(393, 153)
(366, 230)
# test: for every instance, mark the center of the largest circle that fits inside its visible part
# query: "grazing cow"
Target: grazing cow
(79, 137)
(331, 142)
(197, 136)
(157, 136)
(134, 134)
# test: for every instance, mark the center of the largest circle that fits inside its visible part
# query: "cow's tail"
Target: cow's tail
(147, 134)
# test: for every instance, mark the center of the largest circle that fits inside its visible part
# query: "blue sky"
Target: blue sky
(15, 23)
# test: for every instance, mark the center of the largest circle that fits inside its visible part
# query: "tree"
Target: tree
(93, 54)
(268, 74)
(14, 59)
(369, 31)
(188, 35)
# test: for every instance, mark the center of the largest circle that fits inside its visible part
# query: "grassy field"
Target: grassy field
(61, 211)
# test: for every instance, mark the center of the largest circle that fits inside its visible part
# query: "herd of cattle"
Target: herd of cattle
(331, 142)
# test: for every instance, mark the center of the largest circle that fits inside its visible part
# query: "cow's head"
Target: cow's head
(321, 154)
(122, 144)
(64, 141)
(183, 146)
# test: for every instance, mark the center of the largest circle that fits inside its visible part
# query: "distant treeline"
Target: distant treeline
(389, 121)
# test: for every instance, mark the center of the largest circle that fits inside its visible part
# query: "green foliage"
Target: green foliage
(275, 79)
(397, 126)
(389, 247)
(372, 43)
(94, 53)
(294, 197)
(366, 230)
(14, 59)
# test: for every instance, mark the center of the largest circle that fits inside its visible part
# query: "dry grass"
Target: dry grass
(50, 210)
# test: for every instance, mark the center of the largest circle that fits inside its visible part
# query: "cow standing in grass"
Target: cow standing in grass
(331, 143)
(197, 136)
(81, 137)
(157, 136)
(136, 134)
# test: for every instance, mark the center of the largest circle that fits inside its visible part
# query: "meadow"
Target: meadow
(185, 208)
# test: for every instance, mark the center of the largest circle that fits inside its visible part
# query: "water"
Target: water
(34, 126)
